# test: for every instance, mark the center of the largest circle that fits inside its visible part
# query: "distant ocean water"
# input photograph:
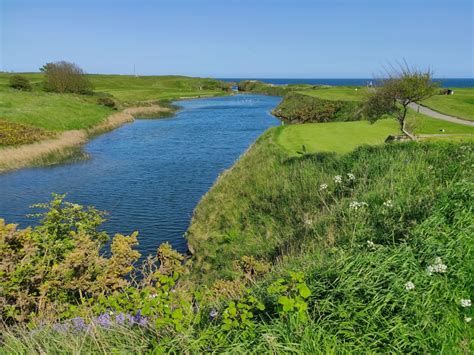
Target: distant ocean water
(447, 82)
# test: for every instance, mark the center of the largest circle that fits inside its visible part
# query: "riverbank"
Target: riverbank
(59, 124)
(67, 143)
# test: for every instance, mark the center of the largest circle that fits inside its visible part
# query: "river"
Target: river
(150, 174)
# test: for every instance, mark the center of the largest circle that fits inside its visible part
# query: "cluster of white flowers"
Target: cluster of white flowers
(467, 319)
(323, 187)
(355, 205)
(371, 244)
(409, 286)
(337, 179)
(351, 176)
(437, 267)
(465, 303)
(388, 204)
(308, 221)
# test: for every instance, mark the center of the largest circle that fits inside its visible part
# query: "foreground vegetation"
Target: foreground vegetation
(318, 253)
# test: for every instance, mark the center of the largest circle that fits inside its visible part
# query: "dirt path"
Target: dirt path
(428, 112)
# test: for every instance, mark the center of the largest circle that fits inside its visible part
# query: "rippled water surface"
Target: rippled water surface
(149, 174)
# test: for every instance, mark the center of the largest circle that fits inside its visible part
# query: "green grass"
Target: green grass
(271, 206)
(130, 89)
(55, 112)
(343, 93)
(339, 137)
(461, 104)
(422, 124)
(60, 112)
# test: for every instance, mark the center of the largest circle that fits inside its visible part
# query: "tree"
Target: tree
(19, 82)
(402, 87)
(65, 77)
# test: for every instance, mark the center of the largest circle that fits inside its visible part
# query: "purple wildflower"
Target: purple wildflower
(131, 319)
(139, 319)
(120, 318)
(78, 324)
(61, 327)
(103, 320)
(213, 314)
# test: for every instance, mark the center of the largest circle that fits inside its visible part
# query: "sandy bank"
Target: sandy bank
(65, 143)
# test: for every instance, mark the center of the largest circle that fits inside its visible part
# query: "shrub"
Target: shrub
(65, 77)
(17, 134)
(19, 82)
(108, 102)
(300, 108)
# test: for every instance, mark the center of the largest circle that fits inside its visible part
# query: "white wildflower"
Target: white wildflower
(409, 286)
(388, 204)
(308, 222)
(437, 267)
(323, 187)
(154, 295)
(355, 205)
(351, 176)
(467, 319)
(338, 179)
(371, 244)
(465, 303)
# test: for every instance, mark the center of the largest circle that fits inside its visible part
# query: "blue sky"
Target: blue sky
(246, 38)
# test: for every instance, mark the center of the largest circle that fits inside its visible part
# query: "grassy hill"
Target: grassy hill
(59, 112)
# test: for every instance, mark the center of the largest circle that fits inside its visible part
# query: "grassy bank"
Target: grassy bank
(36, 126)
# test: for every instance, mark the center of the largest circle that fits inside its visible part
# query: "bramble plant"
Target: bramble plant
(292, 294)
(240, 314)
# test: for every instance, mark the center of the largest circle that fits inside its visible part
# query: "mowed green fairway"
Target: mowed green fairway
(461, 104)
(129, 88)
(421, 124)
(339, 137)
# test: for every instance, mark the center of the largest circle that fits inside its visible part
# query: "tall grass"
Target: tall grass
(383, 236)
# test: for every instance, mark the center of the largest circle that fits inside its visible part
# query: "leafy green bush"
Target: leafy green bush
(19, 82)
(65, 77)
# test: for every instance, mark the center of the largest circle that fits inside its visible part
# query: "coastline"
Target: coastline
(51, 151)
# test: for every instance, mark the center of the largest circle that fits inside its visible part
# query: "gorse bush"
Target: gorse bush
(301, 108)
(17, 134)
(19, 82)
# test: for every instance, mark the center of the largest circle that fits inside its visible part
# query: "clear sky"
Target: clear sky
(246, 38)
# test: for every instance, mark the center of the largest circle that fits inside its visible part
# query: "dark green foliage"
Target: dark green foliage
(19, 82)
(65, 77)
(108, 102)
(300, 108)
(258, 87)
